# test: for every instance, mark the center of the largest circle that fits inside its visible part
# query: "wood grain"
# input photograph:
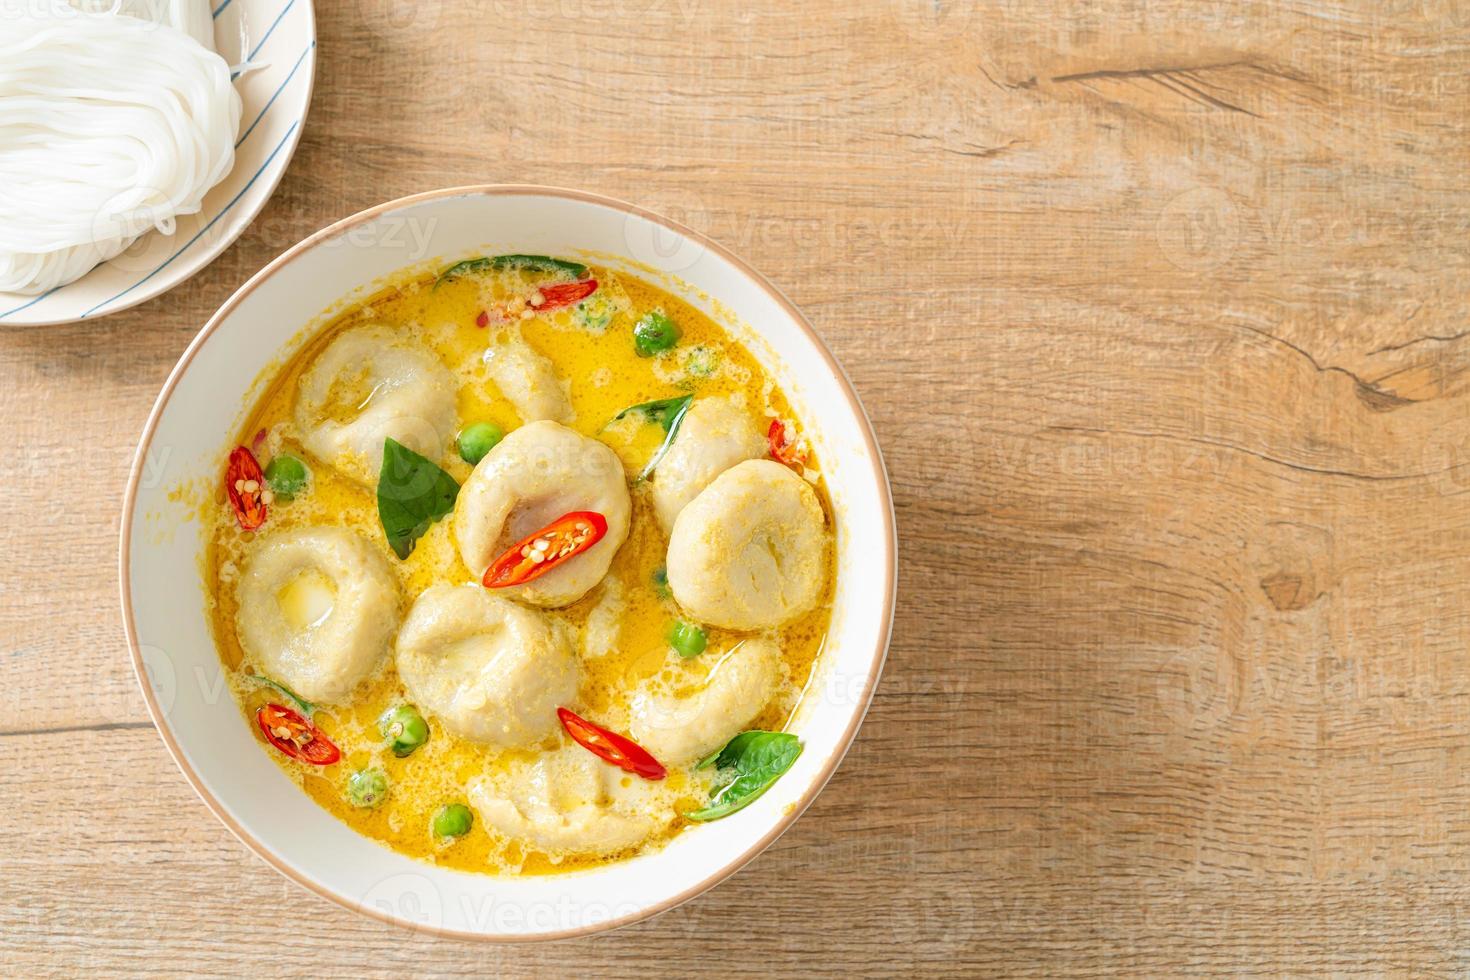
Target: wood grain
(1160, 312)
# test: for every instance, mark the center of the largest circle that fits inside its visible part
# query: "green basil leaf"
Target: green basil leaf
(671, 426)
(748, 765)
(665, 411)
(669, 414)
(413, 493)
(305, 706)
(462, 269)
(540, 263)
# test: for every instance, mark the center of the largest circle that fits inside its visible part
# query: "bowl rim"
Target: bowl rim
(272, 173)
(889, 558)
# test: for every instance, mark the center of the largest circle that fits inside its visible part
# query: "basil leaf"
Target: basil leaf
(749, 764)
(462, 269)
(413, 493)
(664, 411)
(307, 708)
(669, 414)
(671, 423)
(541, 263)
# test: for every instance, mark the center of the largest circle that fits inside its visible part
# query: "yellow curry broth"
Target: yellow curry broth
(606, 377)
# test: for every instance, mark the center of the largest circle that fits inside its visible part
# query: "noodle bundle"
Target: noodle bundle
(190, 16)
(110, 126)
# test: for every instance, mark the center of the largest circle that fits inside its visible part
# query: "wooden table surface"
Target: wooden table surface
(1159, 309)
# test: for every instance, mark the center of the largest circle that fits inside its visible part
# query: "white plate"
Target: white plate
(184, 443)
(278, 39)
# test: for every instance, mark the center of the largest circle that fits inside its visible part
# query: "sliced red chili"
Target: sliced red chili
(622, 752)
(483, 320)
(564, 294)
(244, 483)
(536, 554)
(784, 445)
(295, 736)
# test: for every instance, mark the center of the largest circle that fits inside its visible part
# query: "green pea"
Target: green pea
(454, 820)
(687, 639)
(477, 440)
(286, 476)
(367, 788)
(404, 728)
(661, 582)
(654, 334)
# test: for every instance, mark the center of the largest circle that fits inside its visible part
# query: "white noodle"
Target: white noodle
(190, 16)
(110, 126)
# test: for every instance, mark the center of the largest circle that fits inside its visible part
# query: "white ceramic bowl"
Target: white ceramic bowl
(184, 444)
(277, 38)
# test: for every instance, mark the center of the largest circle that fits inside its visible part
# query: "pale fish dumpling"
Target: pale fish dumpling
(528, 380)
(714, 436)
(538, 473)
(570, 803)
(490, 670)
(748, 552)
(679, 730)
(603, 629)
(370, 385)
(318, 607)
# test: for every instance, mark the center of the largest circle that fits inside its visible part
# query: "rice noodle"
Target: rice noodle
(110, 126)
(190, 16)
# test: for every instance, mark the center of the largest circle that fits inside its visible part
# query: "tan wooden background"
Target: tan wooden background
(1160, 310)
